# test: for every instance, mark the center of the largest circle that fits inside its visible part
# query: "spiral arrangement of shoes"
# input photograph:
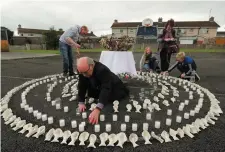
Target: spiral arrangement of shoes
(158, 102)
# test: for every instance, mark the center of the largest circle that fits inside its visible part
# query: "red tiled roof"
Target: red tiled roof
(177, 24)
(41, 31)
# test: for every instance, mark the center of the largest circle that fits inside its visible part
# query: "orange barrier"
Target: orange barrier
(220, 41)
(4, 46)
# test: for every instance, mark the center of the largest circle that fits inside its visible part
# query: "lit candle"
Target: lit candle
(134, 127)
(61, 122)
(74, 124)
(127, 118)
(157, 124)
(148, 116)
(102, 117)
(108, 127)
(50, 120)
(178, 119)
(169, 112)
(145, 126)
(168, 122)
(81, 127)
(114, 117)
(97, 128)
(123, 127)
(66, 109)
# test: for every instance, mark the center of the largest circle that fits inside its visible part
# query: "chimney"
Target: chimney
(19, 26)
(115, 21)
(91, 32)
(160, 19)
(211, 19)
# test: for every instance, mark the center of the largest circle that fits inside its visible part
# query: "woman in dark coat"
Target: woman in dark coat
(168, 44)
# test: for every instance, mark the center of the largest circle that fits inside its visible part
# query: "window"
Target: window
(121, 31)
(30, 34)
(191, 30)
(204, 31)
(131, 30)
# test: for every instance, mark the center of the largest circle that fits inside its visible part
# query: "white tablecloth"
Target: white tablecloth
(119, 61)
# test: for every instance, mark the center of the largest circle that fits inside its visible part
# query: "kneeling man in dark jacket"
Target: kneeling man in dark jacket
(98, 82)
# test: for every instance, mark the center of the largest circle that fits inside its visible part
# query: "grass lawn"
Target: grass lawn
(100, 49)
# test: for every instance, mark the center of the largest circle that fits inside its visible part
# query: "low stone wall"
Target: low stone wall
(27, 47)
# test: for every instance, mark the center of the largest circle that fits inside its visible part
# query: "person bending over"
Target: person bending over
(186, 65)
(67, 41)
(98, 82)
(148, 62)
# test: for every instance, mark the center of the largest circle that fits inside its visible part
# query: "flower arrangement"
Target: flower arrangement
(117, 44)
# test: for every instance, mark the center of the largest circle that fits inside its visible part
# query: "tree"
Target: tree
(51, 39)
(7, 33)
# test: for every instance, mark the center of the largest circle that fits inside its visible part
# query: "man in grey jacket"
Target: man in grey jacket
(67, 41)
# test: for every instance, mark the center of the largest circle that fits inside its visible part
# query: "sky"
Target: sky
(99, 15)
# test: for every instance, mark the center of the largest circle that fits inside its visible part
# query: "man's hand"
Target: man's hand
(93, 117)
(182, 75)
(82, 107)
(76, 46)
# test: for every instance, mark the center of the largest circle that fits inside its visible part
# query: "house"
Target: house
(27, 32)
(188, 31)
(220, 34)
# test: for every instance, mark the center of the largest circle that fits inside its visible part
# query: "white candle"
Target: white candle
(190, 97)
(157, 124)
(74, 124)
(61, 122)
(123, 127)
(180, 108)
(60, 81)
(201, 95)
(197, 110)
(127, 118)
(66, 109)
(169, 112)
(178, 119)
(48, 98)
(83, 123)
(192, 113)
(35, 113)
(26, 107)
(134, 127)
(84, 115)
(22, 105)
(50, 120)
(30, 109)
(48, 94)
(58, 106)
(39, 115)
(53, 102)
(168, 122)
(97, 128)
(148, 116)
(186, 115)
(145, 126)
(186, 102)
(114, 117)
(81, 127)
(108, 127)
(199, 106)
(102, 117)
(44, 117)
(144, 106)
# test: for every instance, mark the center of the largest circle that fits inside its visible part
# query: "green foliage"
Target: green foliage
(51, 39)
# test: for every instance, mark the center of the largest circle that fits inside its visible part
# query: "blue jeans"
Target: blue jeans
(67, 54)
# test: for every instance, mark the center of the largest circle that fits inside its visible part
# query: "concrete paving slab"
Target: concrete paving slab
(22, 55)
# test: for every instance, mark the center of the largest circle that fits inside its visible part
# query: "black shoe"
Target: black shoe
(64, 74)
(72, 74)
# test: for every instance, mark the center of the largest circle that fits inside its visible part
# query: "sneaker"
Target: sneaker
(197, 77)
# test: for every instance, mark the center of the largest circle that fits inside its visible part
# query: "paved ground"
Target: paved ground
(210, 67)
(22, 55)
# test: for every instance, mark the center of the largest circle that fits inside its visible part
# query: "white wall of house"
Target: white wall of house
(30, 35)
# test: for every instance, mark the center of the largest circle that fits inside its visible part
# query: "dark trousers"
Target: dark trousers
(165, 57)
(185, 69)
(67, 55)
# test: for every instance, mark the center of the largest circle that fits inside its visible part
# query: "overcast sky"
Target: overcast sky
(99, 16)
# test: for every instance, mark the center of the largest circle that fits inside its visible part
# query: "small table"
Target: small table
(119, 61)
